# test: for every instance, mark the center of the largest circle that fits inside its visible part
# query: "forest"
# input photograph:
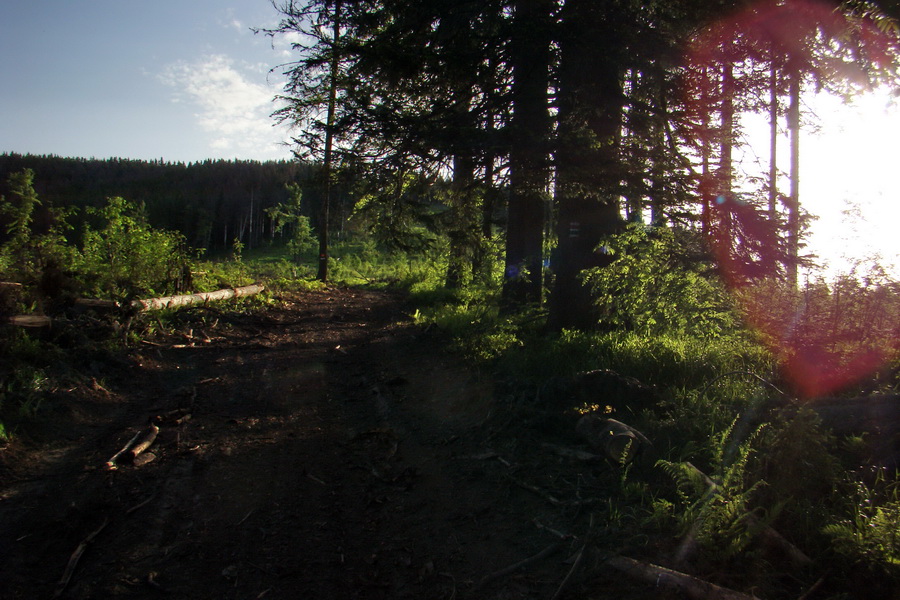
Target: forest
(210, 203)
(555, 189)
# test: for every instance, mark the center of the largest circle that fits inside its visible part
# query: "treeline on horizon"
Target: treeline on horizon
(211, 202)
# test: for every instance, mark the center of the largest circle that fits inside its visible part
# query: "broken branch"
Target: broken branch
(76, 556)
(668, 579)
(522, 563)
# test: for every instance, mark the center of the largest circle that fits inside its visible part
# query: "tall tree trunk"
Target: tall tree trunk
(725, 174)
(659, 170)
(324, 216)
(706, 183)
(481, 264)
(793, 224)
(773, 142)
(463, 222)
(591, 101)
(528, 158)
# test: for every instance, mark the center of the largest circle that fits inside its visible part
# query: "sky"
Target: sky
(178, 80)
(848, 177)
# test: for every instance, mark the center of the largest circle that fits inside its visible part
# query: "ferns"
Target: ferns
(715, 513)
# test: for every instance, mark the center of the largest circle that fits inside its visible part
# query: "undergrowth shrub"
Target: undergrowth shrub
(867, 534)
(125, 255)
(713, 511)
(659, 283)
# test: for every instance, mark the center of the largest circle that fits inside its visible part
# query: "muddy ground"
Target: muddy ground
(323, 447)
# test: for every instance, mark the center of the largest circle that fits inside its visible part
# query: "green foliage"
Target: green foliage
(364, 262)
(289, 216)
(19, 212)
(398, 211)
(24, 378)
(29, 249)
(670, 361)
(655, 286)
(714, 512)
(870, 533)
(124, 255)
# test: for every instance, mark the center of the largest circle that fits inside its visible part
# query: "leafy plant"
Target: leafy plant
(870, 534)
(125, 256)
(656, 286)
(288, 216)
(714, 512)
(29, 248)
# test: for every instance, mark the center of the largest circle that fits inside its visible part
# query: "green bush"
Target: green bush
(27, 251)
(869, 533)
(123, 255)
(657, 284)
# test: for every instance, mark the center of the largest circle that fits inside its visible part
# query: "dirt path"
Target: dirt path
(329, 451)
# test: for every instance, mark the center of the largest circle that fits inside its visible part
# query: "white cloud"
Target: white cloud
(232, 107)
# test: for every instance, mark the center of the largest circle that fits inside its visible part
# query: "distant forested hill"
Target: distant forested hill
(211, 202)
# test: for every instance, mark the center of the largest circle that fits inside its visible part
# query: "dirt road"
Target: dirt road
(320, 448)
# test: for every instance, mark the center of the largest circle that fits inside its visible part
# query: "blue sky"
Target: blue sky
(181, 80)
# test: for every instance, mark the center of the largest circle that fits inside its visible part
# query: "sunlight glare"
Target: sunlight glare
(849, 180)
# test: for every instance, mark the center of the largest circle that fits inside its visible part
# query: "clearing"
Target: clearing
(319, 448)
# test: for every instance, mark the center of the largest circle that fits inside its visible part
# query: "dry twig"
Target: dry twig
(522, 563)
(76, 556)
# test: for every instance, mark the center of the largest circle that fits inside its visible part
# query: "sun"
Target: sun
(850, 180)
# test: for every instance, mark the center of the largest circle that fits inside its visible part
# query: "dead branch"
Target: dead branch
(550, 530)
(76, 556)
(813, 589)
(139, 505)
(522, 563)
(667, 579)
(579, 559)
(111, 463)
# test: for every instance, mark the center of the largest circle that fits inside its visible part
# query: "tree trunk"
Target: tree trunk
(726, 165)
(528, 159)
(773, 142)
(590, 99)
(463, 222)
(324, 218)
(793, 225)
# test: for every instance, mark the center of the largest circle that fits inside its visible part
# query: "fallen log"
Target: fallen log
(173, 301)
(148, 436)
(30, 321)
(669, 580)
(140, 442)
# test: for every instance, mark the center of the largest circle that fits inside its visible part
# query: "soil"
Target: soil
(322, 447)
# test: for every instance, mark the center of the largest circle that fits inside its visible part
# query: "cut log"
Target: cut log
(173, 301)
(148, 436)
(140, 442)
(30, 321)
(669, 580)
